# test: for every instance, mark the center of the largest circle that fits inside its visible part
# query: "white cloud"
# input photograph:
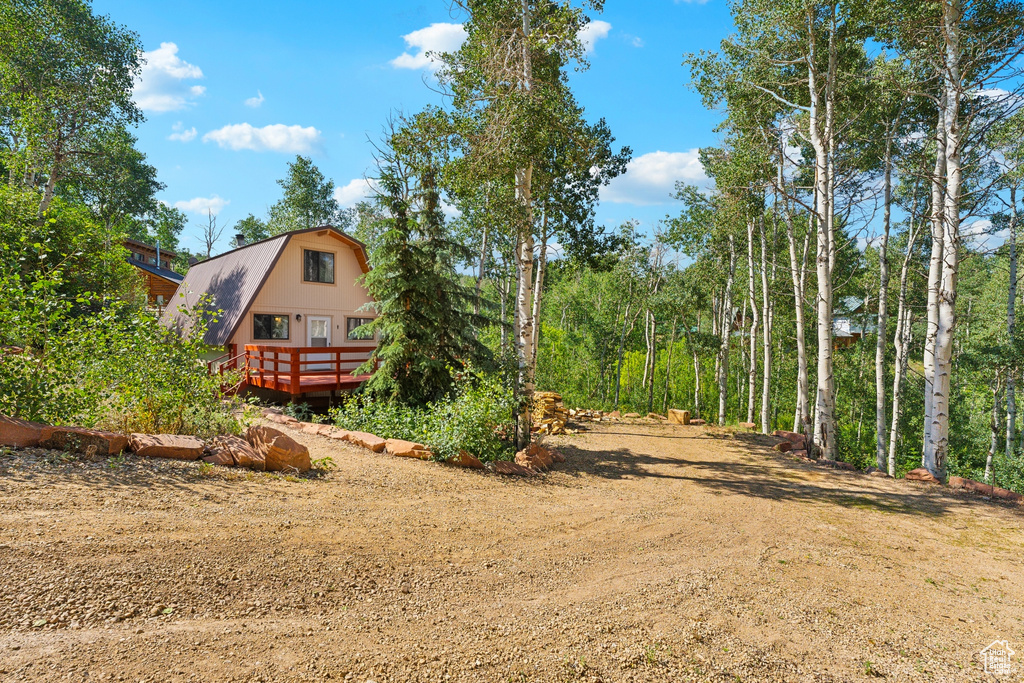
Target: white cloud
(437, 37)
(275, 138)
(593, 32)
(354, 191)
(181, 134)
(160, 85)
(651, 178)
(202, 205)
(637, 41)
(255, 102)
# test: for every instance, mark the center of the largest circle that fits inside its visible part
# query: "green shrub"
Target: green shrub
(473, 420)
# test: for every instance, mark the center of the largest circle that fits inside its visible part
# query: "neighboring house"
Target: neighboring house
(154, 264)
(281, 300)
(851, 322)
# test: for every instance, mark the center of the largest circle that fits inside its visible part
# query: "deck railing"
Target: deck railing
(289, 367)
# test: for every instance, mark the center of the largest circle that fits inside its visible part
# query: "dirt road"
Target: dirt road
(655, 553)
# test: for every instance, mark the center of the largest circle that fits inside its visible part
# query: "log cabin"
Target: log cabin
(154, 265)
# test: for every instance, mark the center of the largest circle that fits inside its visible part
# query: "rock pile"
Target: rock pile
(549, 413)
(537, 457)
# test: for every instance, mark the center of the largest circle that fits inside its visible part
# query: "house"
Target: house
(288, 309)
(154, 265)
(851, 322)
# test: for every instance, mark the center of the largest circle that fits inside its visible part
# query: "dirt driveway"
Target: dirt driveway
(655, 553)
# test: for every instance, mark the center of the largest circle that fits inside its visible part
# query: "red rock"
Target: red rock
(697, 422)
(464, 459)
(368, 441)
(220, 457)
(783, 447)
(280, 452)
(340, 434)
(78, 439)
(680, 417)
(977, 487)
(880, 474)
(656, 416)
(799, 453)
(535, 457)
(614, 413)
(241, 453)
(171, 446)
(18, 433)
(281, 418)
(921, 474)
(556, 456)
(956, 482)
(1006, 494)
(511, 468)
(837, 464)
(407, 449)
(310, 427)
(632, 416)
(748, 425)
(798, 440)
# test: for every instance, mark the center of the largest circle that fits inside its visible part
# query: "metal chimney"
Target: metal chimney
(239, 240)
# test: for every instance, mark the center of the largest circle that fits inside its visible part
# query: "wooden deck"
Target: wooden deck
(297, 370)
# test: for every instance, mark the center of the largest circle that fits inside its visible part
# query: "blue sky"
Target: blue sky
(232, 91)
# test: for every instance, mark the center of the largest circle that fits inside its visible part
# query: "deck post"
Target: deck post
(337, 368)
(295, 375)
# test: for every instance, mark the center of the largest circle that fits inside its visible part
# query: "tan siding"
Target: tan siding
(285, 293)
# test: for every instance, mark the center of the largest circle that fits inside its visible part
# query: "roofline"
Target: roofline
(364, 261)
(158, 272)
(259, 288)
(131, 240)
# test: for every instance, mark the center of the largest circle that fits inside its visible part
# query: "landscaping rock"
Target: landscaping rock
(748, 425)
(464, 459)
(18, 433)
(978, 487)
(799, 453)
(368, 441)
(615, 414)
(656, 416)
(239, 450)
(797, 440)
(220, 457)
(1006, 494)
(956, 482)
(340, 434)
(697, 422)
(511, 468)
(837, 464)
(281, 418)
(783, 447)
(921, 474)
(407, 449)
(535, 456)
(680, 417)
(171, 446)
(79, 439)
(880, 474)
(632, 415)
(280, 452)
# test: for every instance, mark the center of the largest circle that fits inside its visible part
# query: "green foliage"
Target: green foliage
(473, 420)
(308, 200)
(427, 331)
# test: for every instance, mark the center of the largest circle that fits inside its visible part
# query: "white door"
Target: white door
(318, 333)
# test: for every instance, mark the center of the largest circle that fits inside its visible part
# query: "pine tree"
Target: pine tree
(425, 320)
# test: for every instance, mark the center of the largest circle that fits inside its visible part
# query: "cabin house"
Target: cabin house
(851, 321)
(154, 264)
(289, 307)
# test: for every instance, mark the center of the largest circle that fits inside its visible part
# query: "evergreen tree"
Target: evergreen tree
(427, 330)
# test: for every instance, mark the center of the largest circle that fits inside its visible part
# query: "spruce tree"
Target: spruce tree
(425, 321)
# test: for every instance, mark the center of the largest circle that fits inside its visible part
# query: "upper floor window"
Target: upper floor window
(318, 266)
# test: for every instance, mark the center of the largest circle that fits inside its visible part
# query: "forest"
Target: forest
(848, 271)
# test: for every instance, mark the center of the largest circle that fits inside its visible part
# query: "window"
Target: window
(265, 326)
(318, 266)
(350, 328)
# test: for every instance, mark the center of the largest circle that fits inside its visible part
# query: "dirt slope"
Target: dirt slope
(655, 553)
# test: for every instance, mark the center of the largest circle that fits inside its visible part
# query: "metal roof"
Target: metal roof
(233, 279)
(160, 272)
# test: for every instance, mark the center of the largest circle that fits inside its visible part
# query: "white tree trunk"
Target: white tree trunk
(883, 311)
(766, 350)
(902, 344)
(755, 322)
(934, 273)
(1011, 326)
(524, 303)
(727, 319)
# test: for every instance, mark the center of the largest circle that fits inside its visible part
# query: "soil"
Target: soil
(655, 553)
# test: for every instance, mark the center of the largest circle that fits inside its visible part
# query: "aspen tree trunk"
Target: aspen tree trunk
(538, 286)
(696, 384)
(994, 423)
(937, 447)
(654, 351)
(668, 365)
(755, 321)
(824, 414)
(480, 272)
(883, 312)
(622, 351)
(524, 301)
(1011, 324)
(902, 344)
(802, 414)
(766, 351)
(934, 272)
(723, 378)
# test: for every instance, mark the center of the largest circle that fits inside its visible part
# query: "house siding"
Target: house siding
(285, 293)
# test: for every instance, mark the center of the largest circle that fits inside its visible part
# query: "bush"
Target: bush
(473, 420)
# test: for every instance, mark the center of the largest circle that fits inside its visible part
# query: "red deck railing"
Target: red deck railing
(302, 369)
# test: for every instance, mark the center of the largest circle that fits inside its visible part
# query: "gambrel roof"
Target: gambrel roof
(234, 278)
